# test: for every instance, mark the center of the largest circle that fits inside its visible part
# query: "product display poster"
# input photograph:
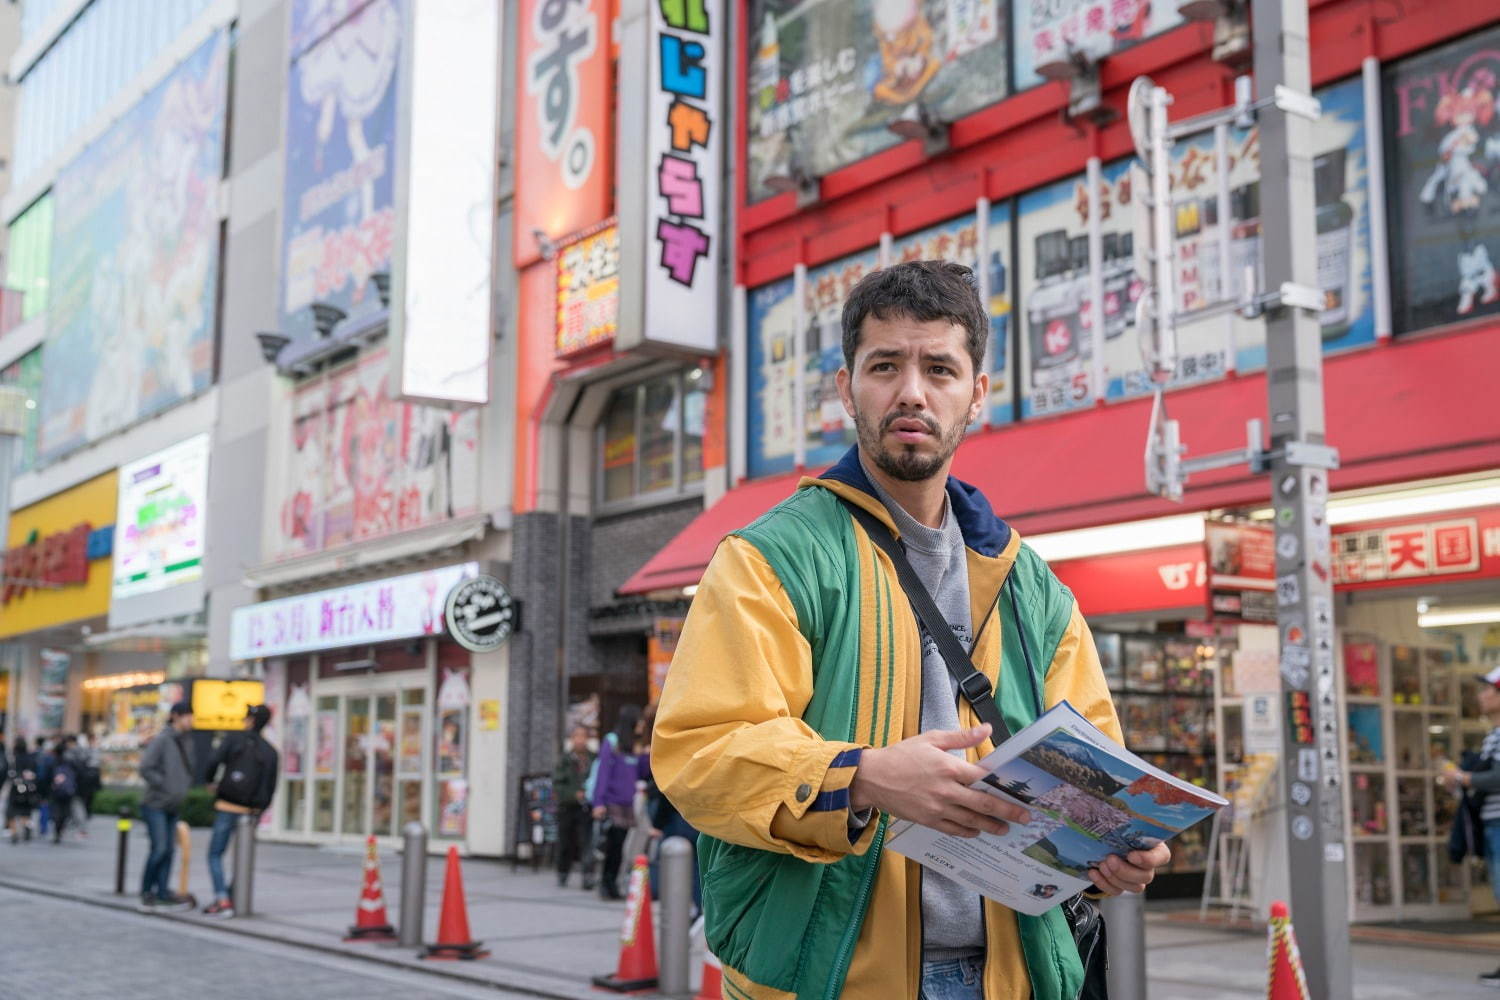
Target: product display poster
(772, 334)
(1442, 133)
(1000, 271)
(830, 429)
(161, 519)
(1046, 29)
(825, 80)
(453, 699)
(1053, 268)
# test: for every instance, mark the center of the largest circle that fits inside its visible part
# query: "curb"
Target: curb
(1358, 933)
(445, 970)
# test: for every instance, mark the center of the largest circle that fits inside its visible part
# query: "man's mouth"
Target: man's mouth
(909, 430)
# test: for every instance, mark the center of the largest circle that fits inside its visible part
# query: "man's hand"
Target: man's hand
(1131, 873)
(917, 779)
(600, 812)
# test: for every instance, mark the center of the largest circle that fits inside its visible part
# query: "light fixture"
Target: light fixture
(1180, 529)
(1483, 615)
(382, 282)
(544, 244)
(114, 682)
(920, 124)
(326, 317)
(1231, 20)
(795, 180)
(271, 344)
(1405, 503)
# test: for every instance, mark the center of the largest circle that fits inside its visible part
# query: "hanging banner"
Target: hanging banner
(1046, 30)
(52, 693)
(339, 217)
(564, 166)
(1442, 139)
(826, 80)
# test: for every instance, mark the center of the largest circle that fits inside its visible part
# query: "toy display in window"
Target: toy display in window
(1416, 873)
(1367, 810)
(1184, 671)
(1438, 664)
(1372, 874)
(1411, 742)
(1406, 676)
(1187, 723)
(1141, 718)
(1366, 735)
(1362, 669)
(1445, 808)
(1142, 665)
(1468, 697)
(1190, 849)
(1411, 807)
(1108, 644)
(1234, 734)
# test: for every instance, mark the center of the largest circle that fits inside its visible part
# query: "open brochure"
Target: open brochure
(1089, 798)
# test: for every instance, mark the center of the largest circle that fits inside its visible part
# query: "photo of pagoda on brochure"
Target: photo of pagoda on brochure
(1089, 798)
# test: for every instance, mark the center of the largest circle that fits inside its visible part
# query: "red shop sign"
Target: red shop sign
(58, 560)
(1131, 582)
(1434, 549)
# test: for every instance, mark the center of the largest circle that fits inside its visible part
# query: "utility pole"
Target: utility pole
(1299, 462)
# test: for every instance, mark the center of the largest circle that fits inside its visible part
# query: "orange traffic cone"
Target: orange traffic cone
(370, 921)
(637, 969)
(453, 927)
(713, 979)
(1287, 980)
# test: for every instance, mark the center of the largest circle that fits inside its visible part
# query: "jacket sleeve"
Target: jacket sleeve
(267, 790)
(153, 773)
(1076, 677)
(1485, 781)
(603, 767)
(731, 750)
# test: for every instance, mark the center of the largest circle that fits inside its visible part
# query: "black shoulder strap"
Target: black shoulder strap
(974, 686)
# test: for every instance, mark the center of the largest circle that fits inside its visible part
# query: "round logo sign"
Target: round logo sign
(481, 614)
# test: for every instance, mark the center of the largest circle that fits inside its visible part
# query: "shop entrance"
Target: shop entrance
(370, 760)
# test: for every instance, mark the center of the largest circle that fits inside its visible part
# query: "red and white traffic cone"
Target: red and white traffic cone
(637, 968)
(713, 979)
(370, 921)
(453, 926)
(1287, 980)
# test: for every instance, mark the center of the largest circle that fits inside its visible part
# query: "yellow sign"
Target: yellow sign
(222, 704)
(91, 503)
(489, 713)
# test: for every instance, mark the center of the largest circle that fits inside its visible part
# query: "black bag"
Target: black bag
(1467, 834)
(243, 774)
(1083, 916)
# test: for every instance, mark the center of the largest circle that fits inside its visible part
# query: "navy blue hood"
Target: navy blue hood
(982, 530)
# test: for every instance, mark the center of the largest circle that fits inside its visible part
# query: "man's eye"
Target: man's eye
(882, 366)
(941, 370)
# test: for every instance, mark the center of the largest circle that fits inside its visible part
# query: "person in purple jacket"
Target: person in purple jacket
(619, 767)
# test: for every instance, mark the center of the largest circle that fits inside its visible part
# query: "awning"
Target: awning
(1396, 413)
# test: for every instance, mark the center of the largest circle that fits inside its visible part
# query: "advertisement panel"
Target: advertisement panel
(362, 464)
(221, 705)
(445, 181)
(588, 292)
(1241, 571)
(52, 693)
(26, 372)
(160, 527)
(1443, 138)
(829, 428)
(135, 250)
(338, 219)
(826, 80)
(57, 565)
(1000, 273)
(771, 438)
(399, 607)
(1046, 29)
(564, 166)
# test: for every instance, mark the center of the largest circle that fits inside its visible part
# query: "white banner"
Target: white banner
(159, 527)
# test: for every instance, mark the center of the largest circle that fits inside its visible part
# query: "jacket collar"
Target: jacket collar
(982, 530)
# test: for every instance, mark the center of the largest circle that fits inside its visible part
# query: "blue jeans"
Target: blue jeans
(162, 826)
(224, 823)
(958, 979)
(1492, 855)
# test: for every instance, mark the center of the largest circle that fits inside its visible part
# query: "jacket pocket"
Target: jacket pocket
(757, 906)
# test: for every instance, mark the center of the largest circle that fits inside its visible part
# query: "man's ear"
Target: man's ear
(845, 382)
(981, 393)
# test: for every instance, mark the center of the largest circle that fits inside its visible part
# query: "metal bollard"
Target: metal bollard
(676, 866)
(244, 864)
(1125, 926)
(122, 848)
(413, 883)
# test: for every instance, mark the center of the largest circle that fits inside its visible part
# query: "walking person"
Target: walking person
(806, 708)
(249, 765)
(575, 823)
(63, 788)
(23, 791)
(1482, 779)
(167, 770)
(44, 762)
(86, 760)
(616, 773)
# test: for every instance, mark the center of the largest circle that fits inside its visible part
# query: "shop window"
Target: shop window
(30, 258)
(1440, 122)
(650, 440)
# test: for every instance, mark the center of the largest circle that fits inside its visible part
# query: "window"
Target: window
(651, 438)
(31, 256)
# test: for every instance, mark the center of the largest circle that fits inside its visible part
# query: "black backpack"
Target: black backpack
(244, 774)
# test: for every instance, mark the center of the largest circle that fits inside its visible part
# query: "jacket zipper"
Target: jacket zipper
(861, 903)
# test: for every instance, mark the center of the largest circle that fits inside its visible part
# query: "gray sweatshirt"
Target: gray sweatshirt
(167, 769)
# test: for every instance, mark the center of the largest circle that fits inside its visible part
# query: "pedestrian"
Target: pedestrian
(663, 819)
(1482, 780)
(249, 766)
(805, 708)
(23, 791)
(44, 761)
(167, 770)
(616, 773)
(63, 787)
(574, 820)
(86, 755)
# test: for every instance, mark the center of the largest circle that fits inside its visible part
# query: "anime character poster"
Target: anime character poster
(340, 158)
(1442, 128)
(453, 697)
(135, 250)
(826, 79)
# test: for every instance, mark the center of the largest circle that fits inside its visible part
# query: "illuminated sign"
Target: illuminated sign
(588, 291)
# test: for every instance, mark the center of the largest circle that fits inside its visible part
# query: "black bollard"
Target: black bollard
(122, 848)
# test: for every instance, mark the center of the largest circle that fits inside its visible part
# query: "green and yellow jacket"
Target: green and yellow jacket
(801, 651)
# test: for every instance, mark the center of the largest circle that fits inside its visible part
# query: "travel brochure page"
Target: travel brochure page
(1089, 797)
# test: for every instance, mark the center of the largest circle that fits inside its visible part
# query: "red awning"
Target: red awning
(1398, 412)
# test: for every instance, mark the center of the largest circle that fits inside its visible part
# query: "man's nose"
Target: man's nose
(911, 393)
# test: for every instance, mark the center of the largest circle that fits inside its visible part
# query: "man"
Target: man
(574, 822)
(167, 770)
(64, 787)
(249, 766)
(805, 709)
(1486, 782)
(45, 760)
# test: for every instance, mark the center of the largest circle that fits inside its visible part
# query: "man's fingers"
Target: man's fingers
(992, 805)
(958, 739)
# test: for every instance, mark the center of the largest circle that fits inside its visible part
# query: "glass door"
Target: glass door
(325, 763)
(355, 800)
(409, 757)
(383, 745)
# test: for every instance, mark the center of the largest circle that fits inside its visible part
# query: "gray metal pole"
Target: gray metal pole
(676, 866)
(1125, 932)
(1312, 733)
(244, 864)
(413, 883)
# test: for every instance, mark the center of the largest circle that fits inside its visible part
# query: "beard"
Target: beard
(905, 463)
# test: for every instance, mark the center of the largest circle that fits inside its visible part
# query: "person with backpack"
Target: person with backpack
(249, 766)
(63, 787)
(23, 791)
(86, 762)
(167, 769)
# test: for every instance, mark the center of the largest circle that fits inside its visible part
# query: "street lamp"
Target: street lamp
(921, 124)
(326, 317)
(271, 344)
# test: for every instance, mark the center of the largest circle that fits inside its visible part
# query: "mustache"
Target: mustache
(921, 418)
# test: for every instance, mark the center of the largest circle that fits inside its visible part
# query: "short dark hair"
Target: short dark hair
(181, 708)
(259, 716)
(921, 290)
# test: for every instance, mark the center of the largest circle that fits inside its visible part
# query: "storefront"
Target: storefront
(383, 717)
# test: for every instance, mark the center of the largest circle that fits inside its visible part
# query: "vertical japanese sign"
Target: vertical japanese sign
(1053, 268)
(829, 428)
(588, 291)
(339, 214)
(564, 168)
(445, 190)
(772, 341)
(1443, 137)
(685, 169)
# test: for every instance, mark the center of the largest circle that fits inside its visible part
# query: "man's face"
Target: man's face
(911, 393)
(1489, 698)
(580, 740)
(183, 723)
